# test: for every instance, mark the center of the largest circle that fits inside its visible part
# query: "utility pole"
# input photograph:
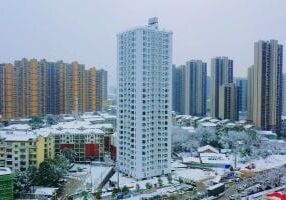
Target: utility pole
(235, 158)
(117, 169)
(90, 176)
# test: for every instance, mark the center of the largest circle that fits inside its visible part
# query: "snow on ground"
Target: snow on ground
(272, 161)
(194, 174)
(160, 191)
(185, 154)
(178, 164)
(131, 182)
(93, 173)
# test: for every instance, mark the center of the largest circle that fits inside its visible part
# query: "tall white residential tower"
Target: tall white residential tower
(144, 66)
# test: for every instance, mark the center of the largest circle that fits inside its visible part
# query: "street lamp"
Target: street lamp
(235, 152)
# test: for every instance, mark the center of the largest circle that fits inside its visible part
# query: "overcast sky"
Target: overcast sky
(85, 30)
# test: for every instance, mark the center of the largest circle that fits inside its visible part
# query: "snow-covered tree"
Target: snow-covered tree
(148, 186)
(52, 119)
(170, 179)
(160, 182)
(137, 187)
(22, 182)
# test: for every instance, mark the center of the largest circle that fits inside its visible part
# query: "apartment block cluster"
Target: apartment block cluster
(91, 137)
(190, 89)
(35, 88)
(257, 99)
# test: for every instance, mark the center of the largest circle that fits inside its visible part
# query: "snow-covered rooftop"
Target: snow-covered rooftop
(208, 124)
(242, 121)
(45, 191)
(4, 171)
(68, 118)
(248, 126)
(107, 116)
(191, 160)
(216, 155)
(230, 125)
(205, 119)
(17, 127)
(207, 147)
(266, 133)
(189, 128)
(18, 136)
(21, 120)
(215, 160)
(224, 121)
(214, 120)
(100, 126)
(58, 131)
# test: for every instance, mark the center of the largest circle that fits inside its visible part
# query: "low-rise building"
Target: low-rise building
(207, 149)
(88, 144)
(21, 150)
(89, 141)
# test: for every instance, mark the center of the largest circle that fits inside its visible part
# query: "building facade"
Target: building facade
(284, 95)
(144, 100)
(21, 150)
(91, 89)
(101, 88)
(250, 81)
(228, 107)
(221, 74)
(265, 79)
(88, 144)
(195, 88)
(6, 91)
(178, 92)
(241, 84)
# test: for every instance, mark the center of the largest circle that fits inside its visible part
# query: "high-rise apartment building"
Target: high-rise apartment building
(228, 102)
(221, 74)
(265, 79)
(74, 88)
(35, 88)
(284, 95)
(195, 88)
(144, 100)
(101, 88)
(2, 88)
(208, 90)
(241, 84)
(91, 89)
(7, 107)
(50, 87)
(250, 92)
(27, 87)
(178, 89)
